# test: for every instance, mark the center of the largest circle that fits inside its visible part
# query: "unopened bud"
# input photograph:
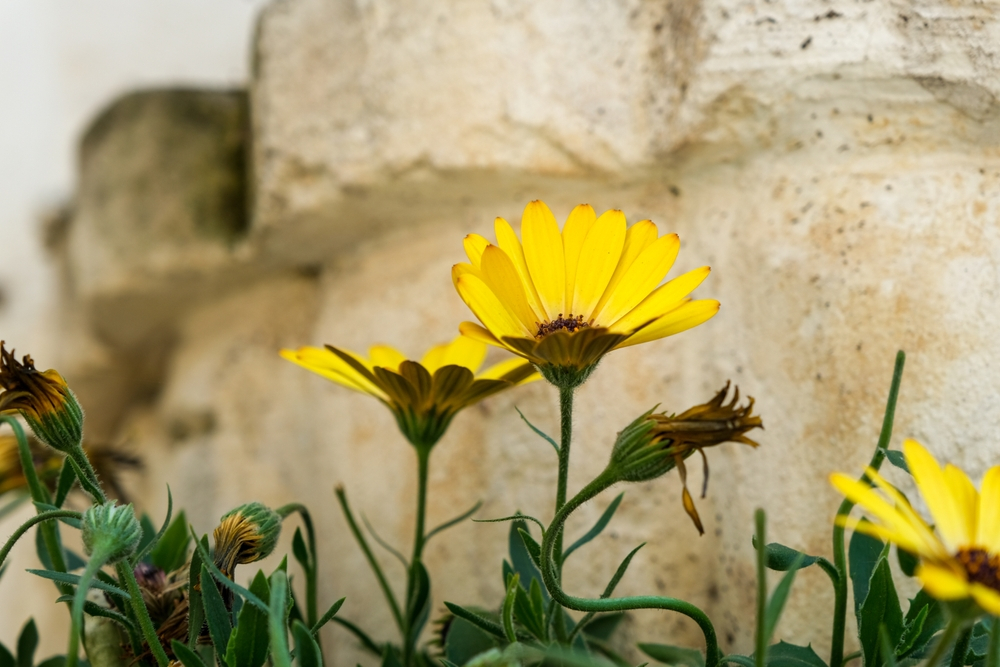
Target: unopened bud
(244, 535)
(110, 532)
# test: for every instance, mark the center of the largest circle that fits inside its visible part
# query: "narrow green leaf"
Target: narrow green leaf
(862, 555)
(148, 532)
(780, 558)
(912, 629)
(96, 610)
(6, 657)
(390, 657)
(507, 611)
(65, 483)
(885, 647)
(520, 557)
(458, 519)
(896, 458)
(538, 431)
(783, 654)
(299, 550)
(533, 548)
(144, 550)
(513, 517)
(247, 596)
(780, 595)
(74, 579)
(196, 607)
(277, 620)
(170, 553)
(880, 607)
(598, 527)
(907, 562)
(328, 616)
(419, 605)
(220, 624)
(306, 649)
(366, 642)
(248, 643)
(465, 640)
(673, 655)
(187, 657)
(479, 621)
(27, 642)
(54, 661)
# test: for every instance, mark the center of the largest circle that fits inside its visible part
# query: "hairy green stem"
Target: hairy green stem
(565, 439)
(947, 637)
(277, 621)
(76, 615)
(38, 518)
(993, 652)
(411, 631)
(376, 568)
(839, 550)
(961, 648)
(552, 583)
(127, 576)
(312, 606)
(760, 649)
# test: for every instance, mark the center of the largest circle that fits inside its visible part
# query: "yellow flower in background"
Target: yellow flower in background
(960, 556)
(424, 396)
(564, 299)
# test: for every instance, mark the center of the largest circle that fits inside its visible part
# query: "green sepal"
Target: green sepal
(27, 642)
(673, 655)
(249, 641)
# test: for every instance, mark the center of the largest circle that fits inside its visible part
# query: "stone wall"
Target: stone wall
(835, 162)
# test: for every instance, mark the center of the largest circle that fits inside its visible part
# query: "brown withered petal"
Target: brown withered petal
(26, 389)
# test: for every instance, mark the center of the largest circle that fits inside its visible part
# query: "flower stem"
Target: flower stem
(411, 632)
(312, 607)
(993, 652)
(760, 652)
(552, 583)
(126, 575)
(839, 550)
(38, 518)
(947, 637)
(961, 648)
(566, 436)
(76, 614)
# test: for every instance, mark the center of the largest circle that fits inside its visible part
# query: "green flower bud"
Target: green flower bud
(244, 535)
(44, 400)
(110, 532)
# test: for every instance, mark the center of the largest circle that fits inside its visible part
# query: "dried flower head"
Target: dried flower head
(655, 444)
(44, 400)
(244, 535)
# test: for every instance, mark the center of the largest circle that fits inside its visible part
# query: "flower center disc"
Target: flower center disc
(981, 567)
(569, 323)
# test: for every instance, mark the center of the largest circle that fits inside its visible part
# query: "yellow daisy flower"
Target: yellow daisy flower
(564, 299)
(960, 557)
(423, 396)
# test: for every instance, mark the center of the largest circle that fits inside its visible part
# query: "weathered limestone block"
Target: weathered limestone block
(160, 207)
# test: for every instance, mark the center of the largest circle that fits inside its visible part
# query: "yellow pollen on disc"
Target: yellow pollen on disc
(981, 566)
(569, 323)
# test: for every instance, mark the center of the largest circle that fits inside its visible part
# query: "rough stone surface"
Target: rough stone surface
(836, 163)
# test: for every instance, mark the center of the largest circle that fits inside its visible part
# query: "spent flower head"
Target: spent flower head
(244, 535)
(655, 444)
(565, 299)
(44, 400)
(110, 531)
(959, 556)
(424, 396)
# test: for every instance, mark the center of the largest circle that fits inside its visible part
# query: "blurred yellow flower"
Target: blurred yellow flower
(424, 396)
(960, 557)
(564, 299)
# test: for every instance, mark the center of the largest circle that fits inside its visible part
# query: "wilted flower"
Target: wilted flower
(110, 531)
(108, 462)
(655, 444)
(244, 535)
(424, 397)
(960, 556)
(564, 299)
(43, 399)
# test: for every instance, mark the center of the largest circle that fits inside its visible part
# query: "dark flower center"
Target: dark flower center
(981, 566)
(569, 323)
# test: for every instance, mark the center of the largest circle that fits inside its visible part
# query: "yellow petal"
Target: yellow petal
(574, 233)
(988, 529)
(461, 351)
(902, 538)
(509, 243)
(487, 307)
(386, 357)
(937, 494)
(664, 299)
(474, 247)
(680, 319)
(501, 277)
(497, 371)
(987, 598)
(600, 255)
(641, 278)
(543, 252)
(941, 582)
(638, 237)
(476, 332)
(459, 270)
(328, 365)
(966, 500)
(933, 548)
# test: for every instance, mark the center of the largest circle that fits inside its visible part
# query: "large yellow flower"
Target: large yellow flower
(564, 299)
(960, 557)
(424, 396)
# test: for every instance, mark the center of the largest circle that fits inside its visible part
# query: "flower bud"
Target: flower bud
(655, 444)
(110, 532)
(43, 399)
(244, 535)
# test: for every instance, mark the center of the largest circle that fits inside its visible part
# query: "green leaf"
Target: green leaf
(277, 625)
(366, 642)
(220, 624)
(247, 596)
(27, 642)
(863, 553)
(196, 608)
(602, 627)
(507, 611)
(777, 602)
(300, 551)
(249, 641)
(598, 527)
(306, 649)
(54, 661)
(390, 657)
(465, 640)
(673, 655)
(896, 458)
(65, 483)
(780, 558)
(418, 607)
(783, 654)
(96, 610)
(170, 553)
(907, 561)
(478, 620)
(912, 629)
(885, 647)
(74, 579)
(74, 561)
(187, 657)
(529, 610)
(6, 657)
(538, 431)
(328, 616)
(143, 553)
(880, 607)
(520, 558)
(534, 549)
(148, 532)
(458, 519)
